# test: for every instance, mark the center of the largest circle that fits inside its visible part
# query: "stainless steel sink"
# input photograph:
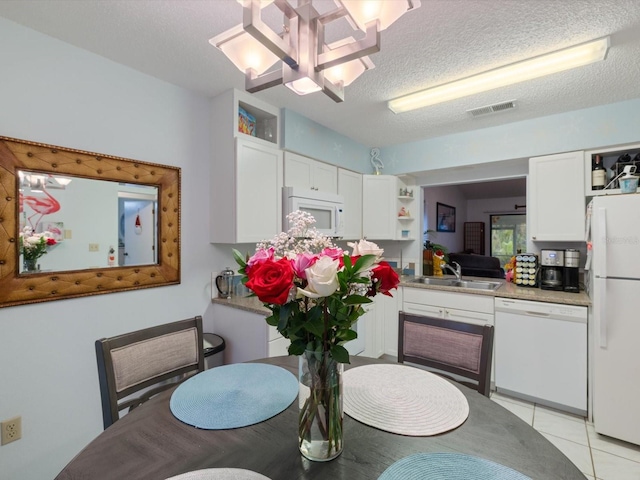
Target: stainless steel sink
(452, 282)
(446, 282)
(480, 285)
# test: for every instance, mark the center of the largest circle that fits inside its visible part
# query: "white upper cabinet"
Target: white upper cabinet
(246, 172)
(305, 172)
(350, 187)
(388, 211)
(555, 197)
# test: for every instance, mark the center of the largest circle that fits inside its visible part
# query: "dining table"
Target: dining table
(151, 443)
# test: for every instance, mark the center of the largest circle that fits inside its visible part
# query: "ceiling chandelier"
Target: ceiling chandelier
(308, 64)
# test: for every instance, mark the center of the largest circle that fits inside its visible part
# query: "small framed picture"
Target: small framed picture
(445, 218)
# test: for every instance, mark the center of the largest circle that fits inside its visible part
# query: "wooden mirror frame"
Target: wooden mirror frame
(17, 289)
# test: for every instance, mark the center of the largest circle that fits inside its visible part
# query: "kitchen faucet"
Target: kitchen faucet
(456, 271)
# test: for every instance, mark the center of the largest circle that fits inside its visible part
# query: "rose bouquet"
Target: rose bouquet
(315, 292)
(34, 245)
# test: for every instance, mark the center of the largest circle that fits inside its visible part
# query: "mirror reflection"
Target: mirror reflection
(73, 223)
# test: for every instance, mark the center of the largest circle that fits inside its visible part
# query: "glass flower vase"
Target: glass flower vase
(320, 402)
(30, 265)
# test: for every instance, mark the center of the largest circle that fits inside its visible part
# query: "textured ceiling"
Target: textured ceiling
(441, 41)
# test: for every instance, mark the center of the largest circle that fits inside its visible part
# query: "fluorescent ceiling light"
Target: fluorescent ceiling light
(536, 67)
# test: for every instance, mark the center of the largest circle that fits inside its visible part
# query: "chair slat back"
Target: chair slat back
(458, 348)
(145, 359)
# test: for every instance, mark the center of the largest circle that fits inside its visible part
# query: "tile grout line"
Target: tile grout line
(593, 463)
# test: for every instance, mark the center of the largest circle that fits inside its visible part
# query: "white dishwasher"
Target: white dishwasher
(541, 353)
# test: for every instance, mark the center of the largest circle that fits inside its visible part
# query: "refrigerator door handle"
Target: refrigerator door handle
(601, 295)
(601, 251)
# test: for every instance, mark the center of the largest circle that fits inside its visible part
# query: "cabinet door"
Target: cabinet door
(297, 171)
(350, 187)
(325, 177)
(555, 197)
(304, 172)
(378, 207)
(258, 192)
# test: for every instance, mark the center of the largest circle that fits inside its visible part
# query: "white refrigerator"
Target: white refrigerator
(615, 295)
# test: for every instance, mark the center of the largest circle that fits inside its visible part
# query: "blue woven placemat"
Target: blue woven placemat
(233, 396)
(448, 466)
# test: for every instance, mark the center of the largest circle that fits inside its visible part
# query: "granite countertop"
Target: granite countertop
(506, 290)
(249, 304)
(509, 290)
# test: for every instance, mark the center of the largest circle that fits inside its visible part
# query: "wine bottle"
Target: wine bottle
(598, 174)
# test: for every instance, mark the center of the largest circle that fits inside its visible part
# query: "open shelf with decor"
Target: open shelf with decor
(613, 159)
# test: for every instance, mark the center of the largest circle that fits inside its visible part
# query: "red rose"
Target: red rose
(385, 278)
(353, 258)
(271, 281)
(51, 241)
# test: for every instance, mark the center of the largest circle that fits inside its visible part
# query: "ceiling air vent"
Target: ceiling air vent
(495, 108)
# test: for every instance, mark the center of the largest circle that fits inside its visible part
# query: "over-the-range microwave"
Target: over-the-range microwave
(327, 209)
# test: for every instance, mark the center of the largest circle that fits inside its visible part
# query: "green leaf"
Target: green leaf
(340, 354)
(347, 335)
(315, 327)
(297, 347)
(284, 317)
(239, 258)
(272, 320)
(357, 300)
(364, 262)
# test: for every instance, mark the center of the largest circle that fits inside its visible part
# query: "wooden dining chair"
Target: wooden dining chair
(152, 359)
(450, 347)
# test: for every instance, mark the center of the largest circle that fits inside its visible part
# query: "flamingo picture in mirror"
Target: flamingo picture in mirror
(39, 205)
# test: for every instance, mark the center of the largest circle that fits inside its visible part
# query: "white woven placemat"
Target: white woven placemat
(403, 399)
(220, 474)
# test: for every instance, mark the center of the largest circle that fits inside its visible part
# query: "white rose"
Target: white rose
(322, 278)
(364, 247)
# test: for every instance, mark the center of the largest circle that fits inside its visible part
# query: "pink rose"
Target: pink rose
(302, 262)
(260, 256)
(334, 253)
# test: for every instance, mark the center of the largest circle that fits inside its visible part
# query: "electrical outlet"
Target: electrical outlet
(94, 247)
(11, 430)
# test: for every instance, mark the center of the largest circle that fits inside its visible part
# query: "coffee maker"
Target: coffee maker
(551, 269)
(571, 271)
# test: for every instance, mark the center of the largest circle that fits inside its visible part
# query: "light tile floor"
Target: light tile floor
(597, 456)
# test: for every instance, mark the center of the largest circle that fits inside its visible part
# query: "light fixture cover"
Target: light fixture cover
(387, 12)
(303, 86)
(244, 51)
(536, 67)
(349, 71)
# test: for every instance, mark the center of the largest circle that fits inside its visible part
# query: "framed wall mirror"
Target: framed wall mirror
(76, 223)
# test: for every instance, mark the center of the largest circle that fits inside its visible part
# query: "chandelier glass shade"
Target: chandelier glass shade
(307, 63)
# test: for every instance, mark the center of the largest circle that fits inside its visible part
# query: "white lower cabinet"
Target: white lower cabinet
(246, 334)
(380, 326)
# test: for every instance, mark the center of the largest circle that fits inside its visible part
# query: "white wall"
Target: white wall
(452, 196)
(57, 94)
